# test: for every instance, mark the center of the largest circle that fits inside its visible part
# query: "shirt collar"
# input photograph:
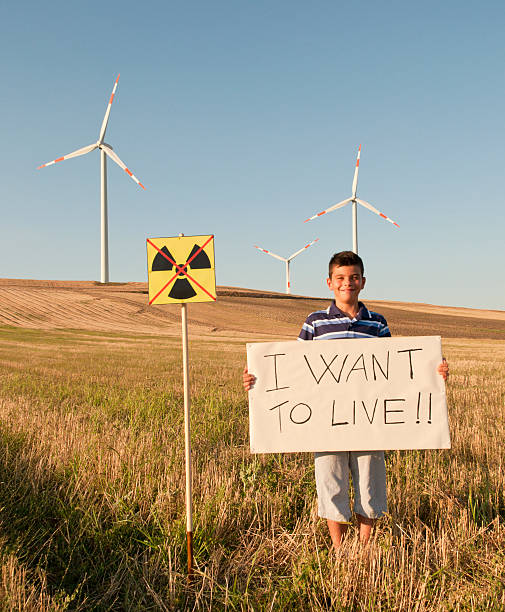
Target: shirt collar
(362, 313)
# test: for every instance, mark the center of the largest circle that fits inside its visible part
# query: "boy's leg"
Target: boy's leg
(365, 528)
(369, 481)
(337, 532)
(332, 482)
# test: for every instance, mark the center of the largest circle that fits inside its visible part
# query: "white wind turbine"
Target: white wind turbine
(288, 285)
(105, 149)
(354, 201)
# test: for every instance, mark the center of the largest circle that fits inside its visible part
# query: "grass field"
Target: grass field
(92, 484)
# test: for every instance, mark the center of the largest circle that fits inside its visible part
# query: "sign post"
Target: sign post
(171, 282)
(187, 439)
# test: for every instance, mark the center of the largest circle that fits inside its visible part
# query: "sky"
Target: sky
(242, 119)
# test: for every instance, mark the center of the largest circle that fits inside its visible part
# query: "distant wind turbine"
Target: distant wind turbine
(105, 149)
(288, 285)
(354, 201)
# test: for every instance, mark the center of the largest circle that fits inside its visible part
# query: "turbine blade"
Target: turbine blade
(356, 171)
(107, 112)
(270, 253)
(334, 207)
(301, 250)
(108, 150)
(82, 151)
(377, 212)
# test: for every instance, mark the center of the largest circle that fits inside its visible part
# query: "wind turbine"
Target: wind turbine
(355, 201)
(105, 149)
(288, 285)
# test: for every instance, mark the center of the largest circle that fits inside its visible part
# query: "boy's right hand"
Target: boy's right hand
(248, 380)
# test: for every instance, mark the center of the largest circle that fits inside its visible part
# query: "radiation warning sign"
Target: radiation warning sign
(181, 269)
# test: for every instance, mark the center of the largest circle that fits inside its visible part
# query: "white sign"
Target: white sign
(363, 394)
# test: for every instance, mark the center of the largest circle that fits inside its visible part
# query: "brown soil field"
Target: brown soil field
(238, 313)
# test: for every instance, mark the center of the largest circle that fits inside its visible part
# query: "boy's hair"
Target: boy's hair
(345, 258)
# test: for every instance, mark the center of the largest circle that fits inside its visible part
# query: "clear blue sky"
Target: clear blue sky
(242, 119)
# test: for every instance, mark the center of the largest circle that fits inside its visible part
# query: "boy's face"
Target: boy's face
(346, 282)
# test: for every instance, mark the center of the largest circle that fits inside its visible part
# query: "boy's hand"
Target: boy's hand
(248, 380)
(443, 369)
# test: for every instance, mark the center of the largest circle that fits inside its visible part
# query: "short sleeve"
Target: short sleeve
(307, 331)
(384, 330)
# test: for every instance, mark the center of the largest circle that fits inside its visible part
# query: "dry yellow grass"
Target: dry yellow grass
(92, 484)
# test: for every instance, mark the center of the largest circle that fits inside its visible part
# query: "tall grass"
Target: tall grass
(92, 489)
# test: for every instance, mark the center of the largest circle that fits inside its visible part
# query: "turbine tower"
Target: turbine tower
(355, 201)
(105, 150)
(288, 285)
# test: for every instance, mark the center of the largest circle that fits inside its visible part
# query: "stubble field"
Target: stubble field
(92, 466)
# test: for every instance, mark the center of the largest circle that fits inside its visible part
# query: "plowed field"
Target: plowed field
(237, 313)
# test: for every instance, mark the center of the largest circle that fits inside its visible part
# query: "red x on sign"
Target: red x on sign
(191, 281)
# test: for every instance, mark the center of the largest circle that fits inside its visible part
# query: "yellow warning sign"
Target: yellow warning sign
(181, 269)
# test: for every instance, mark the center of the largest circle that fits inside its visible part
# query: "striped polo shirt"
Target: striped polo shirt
(333, 323)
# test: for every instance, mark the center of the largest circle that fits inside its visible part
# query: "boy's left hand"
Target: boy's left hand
(443, 369)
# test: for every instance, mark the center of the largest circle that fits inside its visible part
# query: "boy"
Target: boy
(347, 317)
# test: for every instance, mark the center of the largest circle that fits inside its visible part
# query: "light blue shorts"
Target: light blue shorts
(368, 472)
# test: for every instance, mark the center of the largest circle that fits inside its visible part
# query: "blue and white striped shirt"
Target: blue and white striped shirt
(332, 323)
